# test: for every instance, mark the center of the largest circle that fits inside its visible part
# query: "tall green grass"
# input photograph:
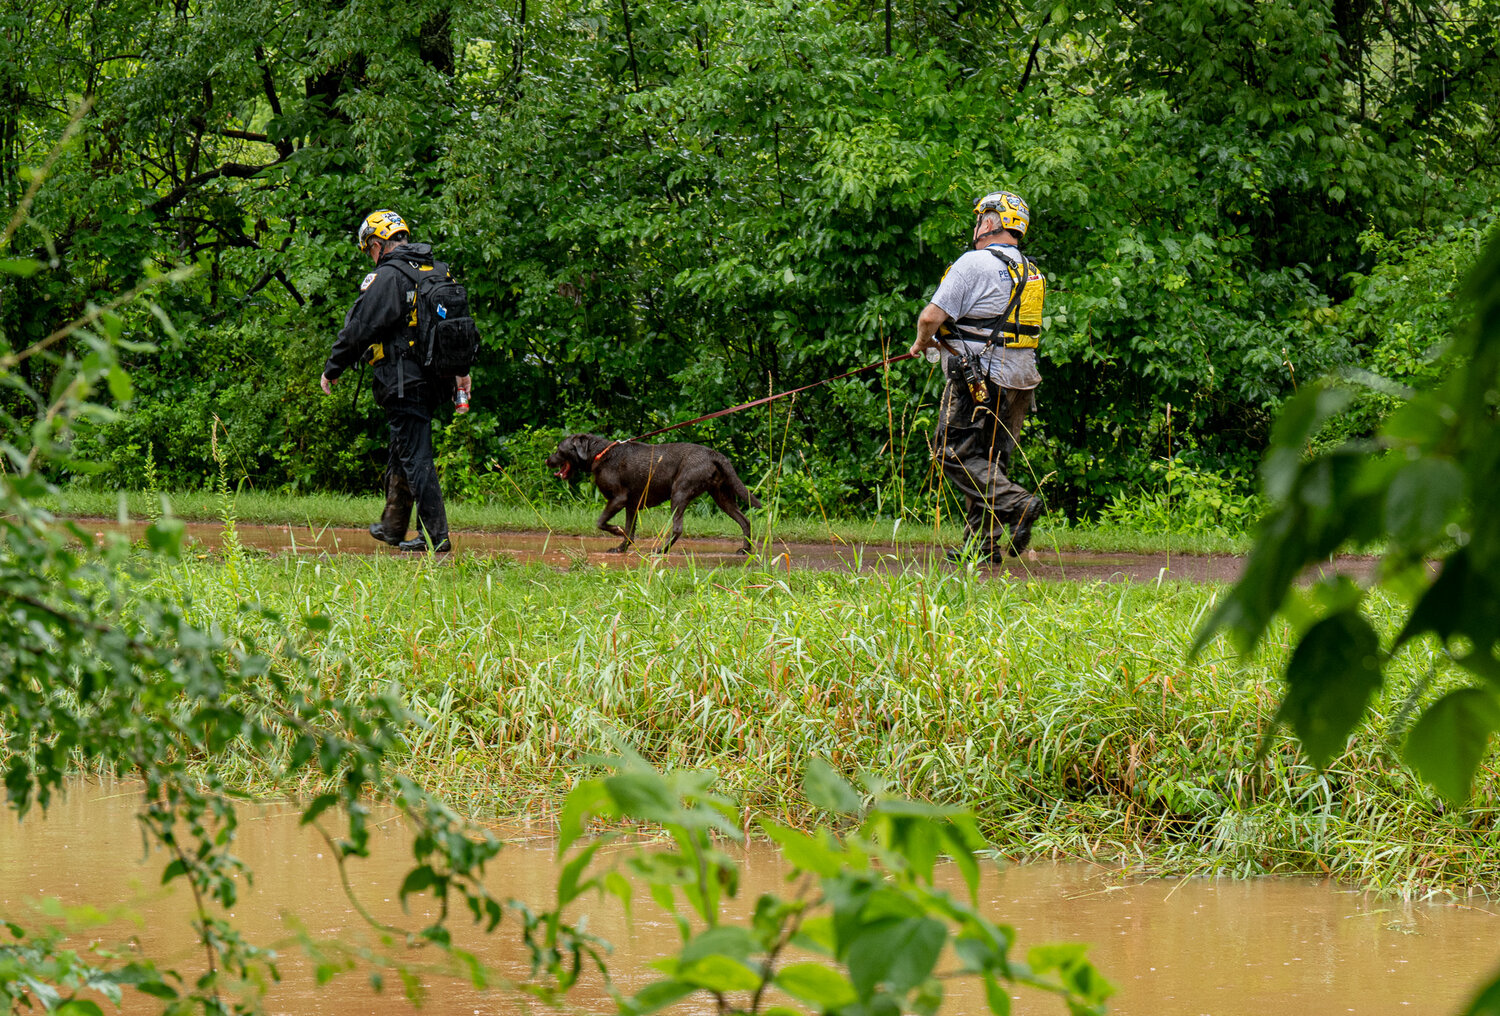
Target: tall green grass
(1065, 714)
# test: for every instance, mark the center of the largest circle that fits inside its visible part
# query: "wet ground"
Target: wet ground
(1196, 947)
(563, 551)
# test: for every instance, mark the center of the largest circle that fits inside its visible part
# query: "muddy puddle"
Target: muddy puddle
(564, 551)
(1174, 948)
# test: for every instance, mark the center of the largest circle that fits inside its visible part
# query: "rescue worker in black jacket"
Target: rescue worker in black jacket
(380, 328)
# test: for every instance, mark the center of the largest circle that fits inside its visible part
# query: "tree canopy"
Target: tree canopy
(661, 208)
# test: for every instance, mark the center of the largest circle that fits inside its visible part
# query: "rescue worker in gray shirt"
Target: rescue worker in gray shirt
(985, 317)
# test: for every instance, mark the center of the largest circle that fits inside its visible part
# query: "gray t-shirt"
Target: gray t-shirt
(978, 286)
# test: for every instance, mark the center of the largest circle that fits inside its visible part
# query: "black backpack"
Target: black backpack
(447, 339)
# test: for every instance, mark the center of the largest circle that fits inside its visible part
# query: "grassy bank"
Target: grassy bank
(1065, 714)
(318, 510)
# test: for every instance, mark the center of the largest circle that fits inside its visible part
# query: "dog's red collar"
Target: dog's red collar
(595, 463)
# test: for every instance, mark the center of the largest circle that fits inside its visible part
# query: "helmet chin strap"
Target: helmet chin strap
(984, 236)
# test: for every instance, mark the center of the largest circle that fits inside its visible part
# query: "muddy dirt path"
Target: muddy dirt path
(563, 551)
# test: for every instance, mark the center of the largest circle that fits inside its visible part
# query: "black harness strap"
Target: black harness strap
(1013, 305)
(990, 322)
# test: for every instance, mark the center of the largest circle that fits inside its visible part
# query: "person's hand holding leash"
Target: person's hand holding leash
(928, 323)
(328, 383)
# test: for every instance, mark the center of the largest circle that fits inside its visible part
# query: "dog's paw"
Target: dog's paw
(617, 550)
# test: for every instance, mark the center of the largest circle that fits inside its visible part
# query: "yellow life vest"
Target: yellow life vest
(1021, 323)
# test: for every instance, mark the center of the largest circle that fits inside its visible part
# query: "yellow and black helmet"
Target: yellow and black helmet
(381, 225)
(1014, 215)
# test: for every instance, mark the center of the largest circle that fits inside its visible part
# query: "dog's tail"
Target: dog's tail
(737, 485)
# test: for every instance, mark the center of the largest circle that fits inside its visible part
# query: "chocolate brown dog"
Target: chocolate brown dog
(635, 476)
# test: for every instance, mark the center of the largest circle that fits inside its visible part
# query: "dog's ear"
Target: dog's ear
(571, 446)
(582, 448)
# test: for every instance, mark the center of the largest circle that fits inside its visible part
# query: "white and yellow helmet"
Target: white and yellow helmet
(1014, 215)
(381, 225)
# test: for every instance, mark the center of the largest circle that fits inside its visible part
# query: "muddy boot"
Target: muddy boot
(418, 544)
(1020, 533)
(391, 529)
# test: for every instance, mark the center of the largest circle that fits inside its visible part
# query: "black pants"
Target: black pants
(411, 472)
(973, 443)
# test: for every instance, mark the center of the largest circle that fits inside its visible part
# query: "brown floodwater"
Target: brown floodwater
(1193, 947)
(563, 551)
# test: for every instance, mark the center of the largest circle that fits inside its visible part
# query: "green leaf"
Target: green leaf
(655, 996)
(157, 989)
(1422, 497)
(996, 996)
(802, 851)
(418, 879)
(978, 954)
(816, 934)
(963, 838)
(1487, 1002)
(568, 885)
(23, 267)
(317, 622)
(900, 953)
(165, 536)
(716, 972)
(662, 894)
(1458, 603)
(119, 384)
(319, 804)
(1422, 421)
(914, 837)
(584, 801)
(817, 985)
(619, 886)
(1332, 674)
(1448, 742)
(928, 998)
(730, 940)
(175, 869)
(1295, 426)
(643, 794)
(79, 1007)
(1056, 956)
(826, 789)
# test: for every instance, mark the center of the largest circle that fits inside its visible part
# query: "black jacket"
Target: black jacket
(381, 317)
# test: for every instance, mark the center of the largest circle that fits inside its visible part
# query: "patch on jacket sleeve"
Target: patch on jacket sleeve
(366, 284)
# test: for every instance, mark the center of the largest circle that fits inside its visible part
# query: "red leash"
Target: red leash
(750, 405)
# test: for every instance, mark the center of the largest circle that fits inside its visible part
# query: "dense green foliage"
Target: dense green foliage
(1426, 486)
(664, 207)
(867, 901)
